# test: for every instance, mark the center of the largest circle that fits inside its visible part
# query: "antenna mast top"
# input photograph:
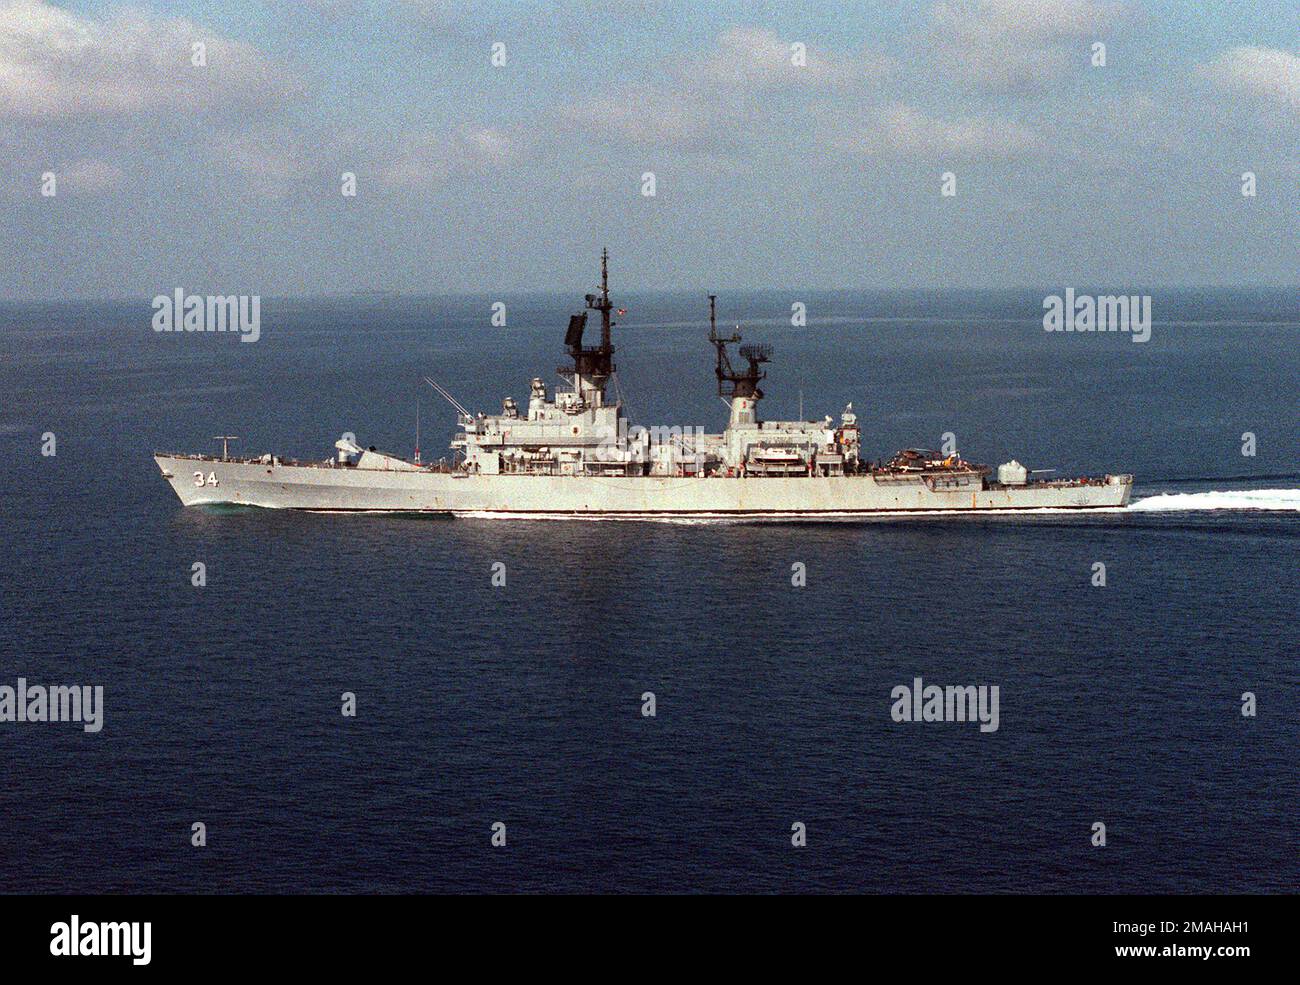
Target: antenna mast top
(602, 303)
(731, 382)
(225, 440)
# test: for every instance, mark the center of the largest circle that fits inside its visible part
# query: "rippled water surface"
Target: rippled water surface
(522, 703)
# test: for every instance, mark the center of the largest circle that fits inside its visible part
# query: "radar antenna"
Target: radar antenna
(595, 363)
(732, 382)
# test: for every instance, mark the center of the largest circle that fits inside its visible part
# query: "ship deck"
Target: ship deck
(883, 476)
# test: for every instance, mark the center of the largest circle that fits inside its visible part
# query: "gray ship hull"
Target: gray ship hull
(574, 452)
(202, 480)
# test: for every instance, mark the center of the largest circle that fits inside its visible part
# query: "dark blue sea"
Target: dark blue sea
(522, 704)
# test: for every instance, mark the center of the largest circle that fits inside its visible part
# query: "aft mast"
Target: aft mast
(738, 386)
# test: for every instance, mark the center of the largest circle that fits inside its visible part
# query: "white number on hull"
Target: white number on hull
(211, 479)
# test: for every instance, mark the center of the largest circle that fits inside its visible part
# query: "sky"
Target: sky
(497, 146)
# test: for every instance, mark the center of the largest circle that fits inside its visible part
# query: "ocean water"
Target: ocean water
(522, 704)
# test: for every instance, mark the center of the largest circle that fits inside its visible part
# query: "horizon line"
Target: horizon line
(379, 293)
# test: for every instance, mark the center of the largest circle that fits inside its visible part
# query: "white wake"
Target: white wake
(1244, 499)
(820, 516)
(1283, 500)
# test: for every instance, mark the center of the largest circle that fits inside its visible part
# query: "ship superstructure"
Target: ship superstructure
(573, 452)
(579, 432)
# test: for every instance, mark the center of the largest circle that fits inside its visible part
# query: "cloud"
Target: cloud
(330, 8)
(1260, 72)
(428, 9)
(1008, 44)
(754, 58)
(423, 8)
(91, 176)
(902, 129)
(720, 94)
(274, 162)
(643, 115)
(430, 159)
(269, 161)
(56, 64)
(277, 161)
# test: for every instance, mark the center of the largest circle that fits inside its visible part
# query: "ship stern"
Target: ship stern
(1122, 485)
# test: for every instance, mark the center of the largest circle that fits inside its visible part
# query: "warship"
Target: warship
(573, 453)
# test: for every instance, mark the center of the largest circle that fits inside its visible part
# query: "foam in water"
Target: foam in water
(1243, 499)
(855, 516)
(1284, 500)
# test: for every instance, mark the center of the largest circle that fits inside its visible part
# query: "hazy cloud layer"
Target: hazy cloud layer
(814, 135)
(904, 130)
(56, 64)
(1019, 43)
(1263, 72)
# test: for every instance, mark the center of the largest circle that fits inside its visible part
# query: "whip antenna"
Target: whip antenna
(442, 392)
